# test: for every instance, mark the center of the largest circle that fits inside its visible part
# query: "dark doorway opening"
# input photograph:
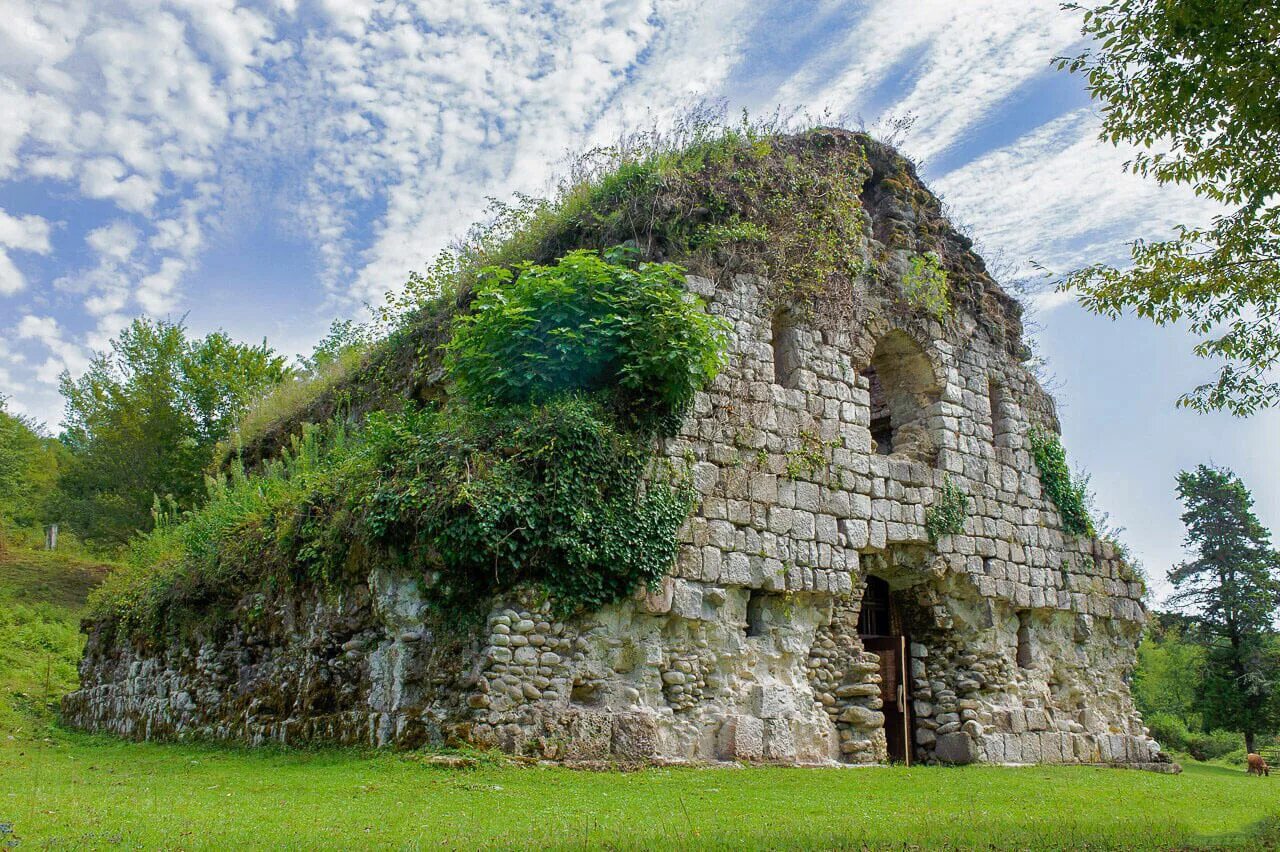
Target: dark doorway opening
(880, 628)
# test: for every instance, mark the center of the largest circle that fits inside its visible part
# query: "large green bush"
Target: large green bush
(1173, 734)
(588, 323)
(550, 495)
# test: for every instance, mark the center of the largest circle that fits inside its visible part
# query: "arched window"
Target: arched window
(904, 392)
(786, 350)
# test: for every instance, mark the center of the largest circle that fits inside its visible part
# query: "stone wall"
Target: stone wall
(1021, 637)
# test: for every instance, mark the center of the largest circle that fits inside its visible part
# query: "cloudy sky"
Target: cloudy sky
(264, 167)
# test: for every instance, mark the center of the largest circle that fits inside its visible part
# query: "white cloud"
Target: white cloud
(22, 233)
(106, 177)
(44, 329)
(963, 58)
(109, 326)
(64, 355)
(26, 233)
(1060, 197)
(11, 278)
(155, 293)
(116, 240)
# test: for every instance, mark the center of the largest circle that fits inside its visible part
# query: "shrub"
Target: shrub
(586, 324)
(1066, 492)
(250, 527)
(1215, 745)
(1168, 730)
(549, 495)
(1174, 735)
(925, 284)
(946, 515)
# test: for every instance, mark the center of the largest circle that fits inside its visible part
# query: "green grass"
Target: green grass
(65, 790)
(77, 791)
(41, 598)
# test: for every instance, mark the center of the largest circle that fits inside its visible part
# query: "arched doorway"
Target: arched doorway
(880, 629)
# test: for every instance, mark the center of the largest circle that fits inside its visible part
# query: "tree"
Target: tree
(1199, 82)
(143, 419)
(1169, 672)
(29, 465)
(345, 337)
(1231, 590)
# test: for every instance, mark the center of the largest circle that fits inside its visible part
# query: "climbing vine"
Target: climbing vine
(805, 460)
(1066, 491)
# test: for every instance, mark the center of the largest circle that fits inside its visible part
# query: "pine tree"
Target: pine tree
(1231, 589)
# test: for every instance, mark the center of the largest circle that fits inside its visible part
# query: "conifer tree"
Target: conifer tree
(1231, 589)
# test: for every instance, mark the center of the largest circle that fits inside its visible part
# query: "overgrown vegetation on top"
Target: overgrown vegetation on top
(756, 196)
(537, 470)
(591, 324)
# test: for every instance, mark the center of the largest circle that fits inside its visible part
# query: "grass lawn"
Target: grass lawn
(74, 791)
(60, 789)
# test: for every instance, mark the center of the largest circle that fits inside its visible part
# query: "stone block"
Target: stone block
(634, 735)
(657, 602)
(590, 735)
(741, 738)
(686, 600)
(862, 718)
(956, 748)
(770, 701)
(779, 740)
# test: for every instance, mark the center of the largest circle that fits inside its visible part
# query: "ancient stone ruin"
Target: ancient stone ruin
(809, 618)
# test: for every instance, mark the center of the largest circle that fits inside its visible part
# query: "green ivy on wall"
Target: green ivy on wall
(1066, 492)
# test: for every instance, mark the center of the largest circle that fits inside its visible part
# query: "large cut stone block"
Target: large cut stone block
(741, 738)
(956, 748)
(779, 740)
(635, 735)
(771, 702)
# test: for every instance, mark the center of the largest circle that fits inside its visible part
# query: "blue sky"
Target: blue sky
(265, 167)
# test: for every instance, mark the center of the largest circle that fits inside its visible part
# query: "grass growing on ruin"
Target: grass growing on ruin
(80, 791)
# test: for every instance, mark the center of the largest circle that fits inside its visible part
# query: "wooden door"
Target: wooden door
(893, 693)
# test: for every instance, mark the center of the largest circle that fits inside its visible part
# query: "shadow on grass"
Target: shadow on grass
(1263, 834)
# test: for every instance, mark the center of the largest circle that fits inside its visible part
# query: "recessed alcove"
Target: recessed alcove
(785, 340)
(904, 391)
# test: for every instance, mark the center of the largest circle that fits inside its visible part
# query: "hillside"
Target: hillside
(42, 596)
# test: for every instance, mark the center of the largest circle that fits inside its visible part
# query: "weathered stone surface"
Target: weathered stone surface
(956, 748)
